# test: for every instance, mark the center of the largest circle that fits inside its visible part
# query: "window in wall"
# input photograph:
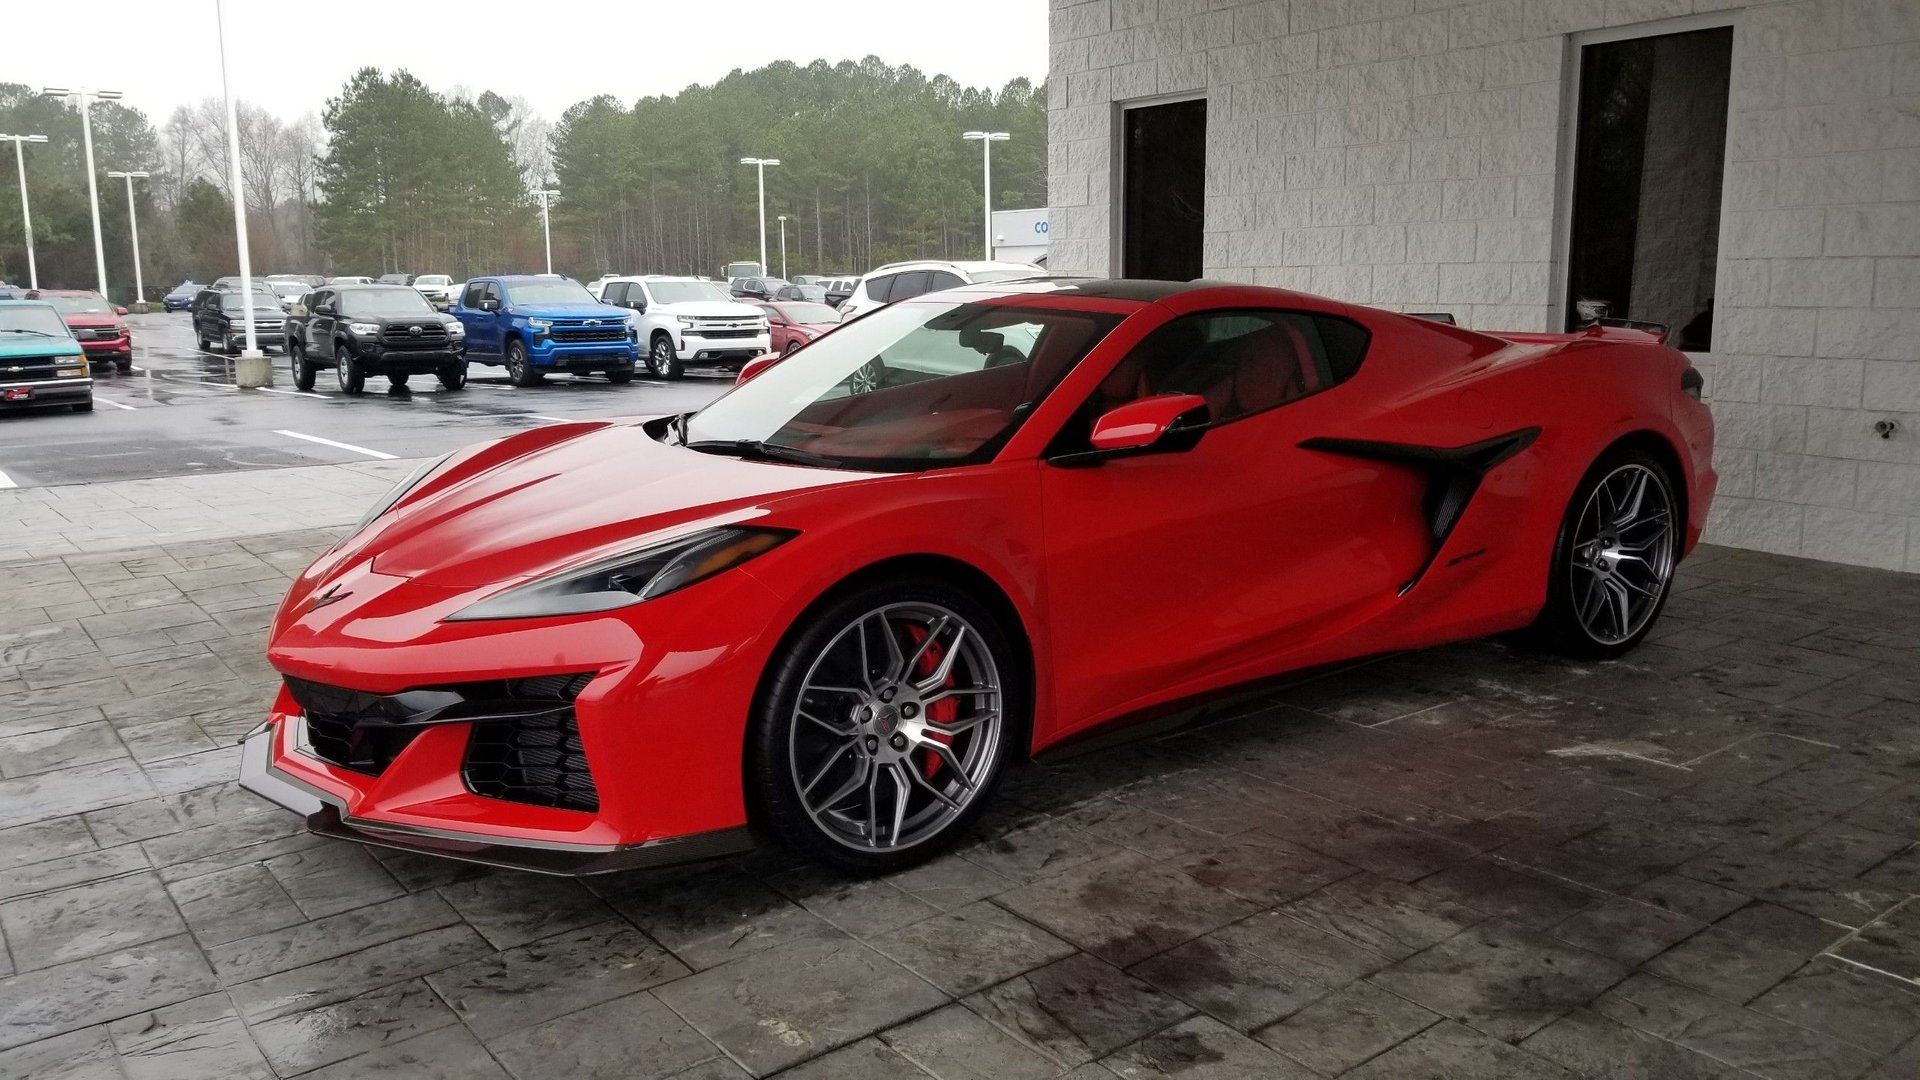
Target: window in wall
(1650, 148)
(1164, 160)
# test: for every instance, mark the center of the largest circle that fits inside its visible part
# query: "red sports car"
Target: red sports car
(796, 322)
(96, 322)
(838, 601)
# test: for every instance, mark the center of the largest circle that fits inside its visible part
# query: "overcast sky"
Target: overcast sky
(289, 57)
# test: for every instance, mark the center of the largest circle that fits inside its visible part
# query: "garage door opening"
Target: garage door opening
(1650, 149)
(1163, 185)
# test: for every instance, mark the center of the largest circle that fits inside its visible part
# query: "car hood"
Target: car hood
(558, 495)
(721, 309)
(570, 311)
(19, 345)
(91, 319)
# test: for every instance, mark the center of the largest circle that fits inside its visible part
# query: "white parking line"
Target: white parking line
(7, 481)
(110, 401)
(289, 393)
(556, 419)
(336, 445)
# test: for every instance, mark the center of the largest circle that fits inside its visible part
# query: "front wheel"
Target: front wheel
(885, 724)
(1614, 559)
(348, 372)
(520, 371)
(303, 373)
(661, 359)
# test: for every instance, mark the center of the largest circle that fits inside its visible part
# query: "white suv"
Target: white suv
(684, 321)
(904, 280)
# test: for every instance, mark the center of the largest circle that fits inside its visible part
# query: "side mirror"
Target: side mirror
(119, 311)
(1162, 424)
(489, 305)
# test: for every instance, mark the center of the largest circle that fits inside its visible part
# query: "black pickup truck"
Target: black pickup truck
(362, 330)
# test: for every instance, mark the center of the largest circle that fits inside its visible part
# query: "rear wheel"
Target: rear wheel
(519, 370)
(620, 378)
(348, 372)
(886, 723)
(1614, 561)
(453, 375)
(303, 373)
(123, 365)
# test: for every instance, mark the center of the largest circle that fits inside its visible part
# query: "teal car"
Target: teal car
(41, 364)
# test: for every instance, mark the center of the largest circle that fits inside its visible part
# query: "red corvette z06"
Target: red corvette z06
(840, 601)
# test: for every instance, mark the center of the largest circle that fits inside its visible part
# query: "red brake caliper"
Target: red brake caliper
(940, 712)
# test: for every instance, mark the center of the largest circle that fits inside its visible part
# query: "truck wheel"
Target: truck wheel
(661, 360)
(620, 378)
(520, 371)
(123, 365)
(303, 372)
(352, 378)
(453, 375)
(202, 341)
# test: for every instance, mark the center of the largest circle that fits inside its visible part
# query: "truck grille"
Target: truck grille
(32, 368)
(589, 333)
(723, 335)
(429, 336)
(535, 759)
(96, 333)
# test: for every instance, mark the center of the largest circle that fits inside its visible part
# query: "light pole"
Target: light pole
(783, 247)
(26, 215)
(133, 222)
(546, 222)
(761, 164)
(86, 97)
(986, 139)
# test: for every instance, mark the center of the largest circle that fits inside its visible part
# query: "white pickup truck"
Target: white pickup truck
(689, 322)
(437, 288)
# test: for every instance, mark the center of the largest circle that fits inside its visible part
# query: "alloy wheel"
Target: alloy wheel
(1623, 554)
(896, 728)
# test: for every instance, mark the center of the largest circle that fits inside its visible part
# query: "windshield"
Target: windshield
(392, 303)
(32, 319)
(287, 288)
(549, 292)
(91, 304)
(232, 301)
(809, 313)
(911, 386)
(683, 292)
(815, 293)
(433, 279)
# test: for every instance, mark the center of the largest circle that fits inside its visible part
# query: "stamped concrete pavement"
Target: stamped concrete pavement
(1471, 862)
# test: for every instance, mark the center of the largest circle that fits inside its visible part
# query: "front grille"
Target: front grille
(100, 333)
(34, 368)
(534, 759)
(431, 336)
(349, 728)
(589, 333)
(717, 335)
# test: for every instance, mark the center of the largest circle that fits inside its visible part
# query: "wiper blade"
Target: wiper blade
(766, 451)
(24, 330)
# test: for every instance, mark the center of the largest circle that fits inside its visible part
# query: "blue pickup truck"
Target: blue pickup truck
(542, 324)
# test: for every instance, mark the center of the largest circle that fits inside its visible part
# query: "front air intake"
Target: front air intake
(536, 759)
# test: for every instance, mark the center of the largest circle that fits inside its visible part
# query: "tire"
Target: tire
(124, 365)
(874, 738)
(83, 406)
(791, 345)
(453, 375)
(1613, 559)
(347, 370)
(661, 359)
(201, 339)
(303, 372)
(620, 378)
(519, 371)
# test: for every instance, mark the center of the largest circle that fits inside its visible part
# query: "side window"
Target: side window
(942, 280)
(320, 299)
(909, 285)
(615, 292)
(1242, 362)
(877, 288)
(491, 291)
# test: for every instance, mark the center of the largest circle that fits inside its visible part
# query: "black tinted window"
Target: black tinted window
(908, 285)
(940, 279)
(1242, 362)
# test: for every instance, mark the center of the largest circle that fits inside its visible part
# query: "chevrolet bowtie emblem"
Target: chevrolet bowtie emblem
(332, 594)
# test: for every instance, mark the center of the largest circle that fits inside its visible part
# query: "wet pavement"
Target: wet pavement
(179, 413)
(1471, 862)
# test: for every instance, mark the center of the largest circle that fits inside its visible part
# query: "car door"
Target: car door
(481, 320)
(1171, 574)
(322, 317)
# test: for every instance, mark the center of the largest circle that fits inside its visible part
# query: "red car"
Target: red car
(96, 322)
(840, 600)
(797, 322)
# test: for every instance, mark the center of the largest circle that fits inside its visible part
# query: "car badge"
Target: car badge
(15, 369)
(333, 594)
(593, 322)
(414, 330)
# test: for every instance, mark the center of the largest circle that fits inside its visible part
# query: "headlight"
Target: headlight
(364, 329)
(684, 320)
(399, 492)
(455, 329)
(540, 324)
(624, 580)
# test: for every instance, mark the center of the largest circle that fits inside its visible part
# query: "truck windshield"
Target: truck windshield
(549, 292)
(91, 304)
(261, 301)
(684, 292)
(391, 303)
(32, 319)
(912, 386)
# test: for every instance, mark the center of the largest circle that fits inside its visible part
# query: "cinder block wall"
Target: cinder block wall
(1406, 153)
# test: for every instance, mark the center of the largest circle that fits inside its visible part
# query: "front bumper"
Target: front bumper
(545, 352)
(327, 815)
(380, 359)
(108, 348)
(694, 348)
(41, 392)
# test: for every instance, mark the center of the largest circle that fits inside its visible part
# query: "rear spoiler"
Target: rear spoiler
(1604, 330)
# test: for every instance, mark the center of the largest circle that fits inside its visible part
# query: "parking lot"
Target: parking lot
(1474, 862)
(179, 413)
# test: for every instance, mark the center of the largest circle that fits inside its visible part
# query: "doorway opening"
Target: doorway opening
(1651, 136)
(1163, 190)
